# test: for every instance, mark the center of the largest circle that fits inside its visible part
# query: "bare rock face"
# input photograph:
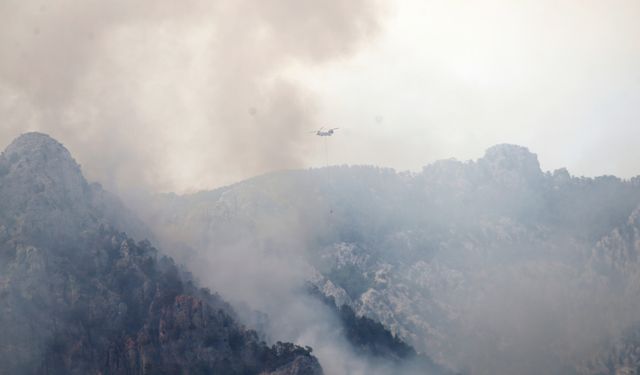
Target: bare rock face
(39, 161)
(43, 193)
(78, 296)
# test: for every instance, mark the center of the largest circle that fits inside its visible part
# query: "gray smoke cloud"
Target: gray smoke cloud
(172, 95)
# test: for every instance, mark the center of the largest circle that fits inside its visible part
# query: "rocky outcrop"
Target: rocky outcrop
(511, 165)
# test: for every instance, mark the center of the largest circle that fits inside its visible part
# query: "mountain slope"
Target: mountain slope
(78, 296)
(486, 266)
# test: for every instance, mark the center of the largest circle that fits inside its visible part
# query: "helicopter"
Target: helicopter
(325, 133)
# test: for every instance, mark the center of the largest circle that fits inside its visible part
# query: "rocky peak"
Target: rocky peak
(44, 198)
(35, 142)
(511, 164)
(43, 195)
(512, 157)
(39, 162)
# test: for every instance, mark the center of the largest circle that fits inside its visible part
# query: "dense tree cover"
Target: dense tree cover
(372, 339)
(111, 305)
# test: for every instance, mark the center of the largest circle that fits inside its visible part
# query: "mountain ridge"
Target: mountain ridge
(430, 255)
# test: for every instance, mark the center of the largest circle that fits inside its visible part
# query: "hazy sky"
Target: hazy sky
(196, 94)
(449, 79)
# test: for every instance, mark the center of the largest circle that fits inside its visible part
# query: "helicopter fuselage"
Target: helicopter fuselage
(324, 134)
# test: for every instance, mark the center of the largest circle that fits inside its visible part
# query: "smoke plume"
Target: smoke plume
(172, 95)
